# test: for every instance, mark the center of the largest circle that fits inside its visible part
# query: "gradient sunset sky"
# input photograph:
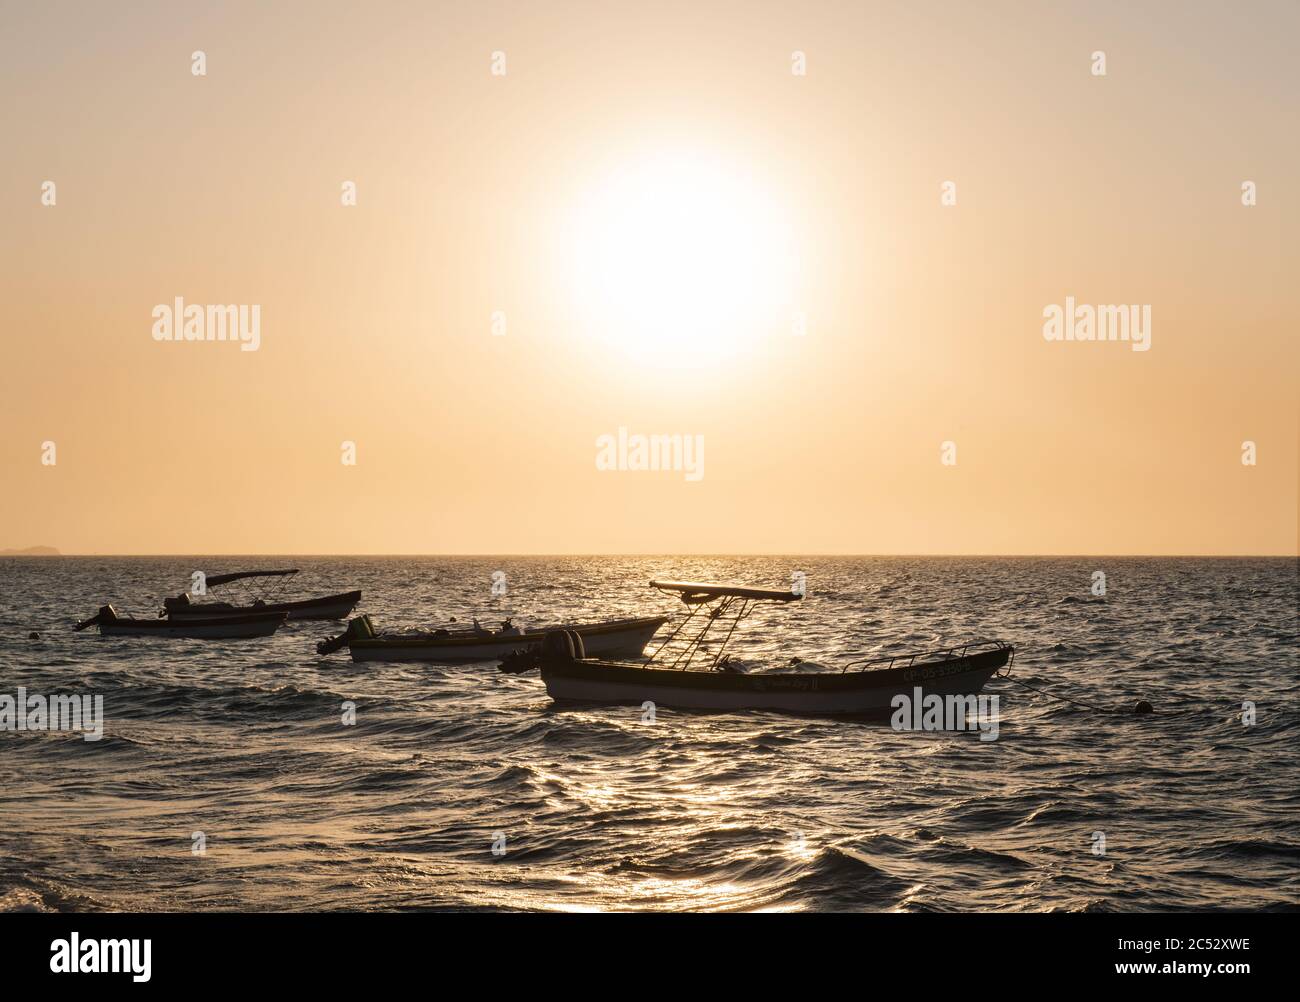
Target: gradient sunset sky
(650, 198)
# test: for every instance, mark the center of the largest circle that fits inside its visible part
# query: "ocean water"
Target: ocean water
(596, 810)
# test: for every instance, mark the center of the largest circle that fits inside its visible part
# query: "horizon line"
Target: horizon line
(593, 553)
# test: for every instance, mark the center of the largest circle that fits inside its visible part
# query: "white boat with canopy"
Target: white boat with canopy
(260, 591)
(681, 672)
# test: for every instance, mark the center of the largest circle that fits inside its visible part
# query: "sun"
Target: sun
(681, 260)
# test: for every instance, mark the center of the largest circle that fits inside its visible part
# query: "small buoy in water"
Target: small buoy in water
(33, 635)
(1143, 707)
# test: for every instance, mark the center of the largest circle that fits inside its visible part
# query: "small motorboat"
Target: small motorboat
(626, 637)
(863, 688)
(260, 624)
(259, 600)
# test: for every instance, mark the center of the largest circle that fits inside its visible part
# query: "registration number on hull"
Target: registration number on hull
(937, 671)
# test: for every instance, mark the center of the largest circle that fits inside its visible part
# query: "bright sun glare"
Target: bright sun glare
(682, 261)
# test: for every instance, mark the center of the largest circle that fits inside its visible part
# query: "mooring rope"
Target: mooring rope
(1064, 699)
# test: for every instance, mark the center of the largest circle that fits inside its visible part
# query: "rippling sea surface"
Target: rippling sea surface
(244, 741)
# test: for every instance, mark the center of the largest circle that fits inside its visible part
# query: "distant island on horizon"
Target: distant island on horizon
(32, 551)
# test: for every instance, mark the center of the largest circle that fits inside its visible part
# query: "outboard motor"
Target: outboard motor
(557, 645)
(563, 645)
(518, 662)
(106, 614)
(358, 629)
(176, 604)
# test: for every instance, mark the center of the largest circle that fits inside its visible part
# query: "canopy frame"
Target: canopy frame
(693, 592)
(243, 584)
(716, 602)
(217, 580)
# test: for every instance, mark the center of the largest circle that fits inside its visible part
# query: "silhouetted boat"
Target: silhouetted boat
(261, 624)
(324, 607)
(864, 687)
(619, 636)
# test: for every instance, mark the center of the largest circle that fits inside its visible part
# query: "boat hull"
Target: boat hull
(325, 607)
(221, 628)
(625, 638)
(867, 693)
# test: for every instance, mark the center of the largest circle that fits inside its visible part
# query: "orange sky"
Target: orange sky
(651, 197)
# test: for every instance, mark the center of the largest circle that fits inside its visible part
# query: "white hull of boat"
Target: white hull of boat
(598, 639)
(330, 610)
(196, 630)
(873, 701)
(322, 607)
